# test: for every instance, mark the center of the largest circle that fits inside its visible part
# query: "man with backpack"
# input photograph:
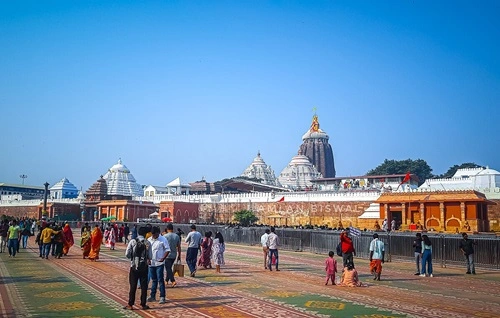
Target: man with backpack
(138, 254)
(347, 248)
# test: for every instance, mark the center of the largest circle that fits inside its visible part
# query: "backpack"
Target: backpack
(139, 256)
(339, 249)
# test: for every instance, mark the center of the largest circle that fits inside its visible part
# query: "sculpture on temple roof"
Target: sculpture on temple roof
(315, 124)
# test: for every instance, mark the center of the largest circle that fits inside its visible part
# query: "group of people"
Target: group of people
(422, 246)
(150, 253)
(15, 233)
(270, 242)
(53, 239)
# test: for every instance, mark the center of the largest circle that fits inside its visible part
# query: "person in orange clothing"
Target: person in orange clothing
(95, 243)
(377, 253)
(350, 277)
(68, 239)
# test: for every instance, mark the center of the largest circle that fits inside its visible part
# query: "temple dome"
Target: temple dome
(97, 191)
(299, 173)
(120, 181)
(63, 190)
(258, 169)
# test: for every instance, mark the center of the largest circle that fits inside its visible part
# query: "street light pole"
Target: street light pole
(46, 185)
(23, 176)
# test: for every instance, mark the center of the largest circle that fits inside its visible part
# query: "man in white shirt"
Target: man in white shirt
(377, 252)
(272, 244)
(158, 252)
(265, 249)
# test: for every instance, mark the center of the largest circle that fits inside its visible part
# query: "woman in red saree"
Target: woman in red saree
(68, 239)
(95, 243)
(85, 244)
(206, 251)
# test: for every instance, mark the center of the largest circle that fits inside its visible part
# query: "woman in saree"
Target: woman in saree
(95, 243)
(85, 244)
(68, 239)
(206, 251)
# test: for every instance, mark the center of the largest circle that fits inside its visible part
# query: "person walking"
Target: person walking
(137, 253)
(46, 238)
(377, 253)
(272, 245)
(95, 243)
(218, 249)
(265, 249)
(158, 253)
(467, 248)
(14, 234)
(347, 248)
(4, 229)
(126, 232)
(330, 268)
(426, 256)
(206, 251)
(68, 239)
(25, 234)
(417, 247)
(194, 242)
(174, 242)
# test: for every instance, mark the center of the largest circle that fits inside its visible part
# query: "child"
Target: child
(350, 277)
(330, 268)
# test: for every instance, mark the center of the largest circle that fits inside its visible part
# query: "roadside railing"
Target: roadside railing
(398, 245)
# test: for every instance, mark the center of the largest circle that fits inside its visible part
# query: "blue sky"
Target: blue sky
(195, 88)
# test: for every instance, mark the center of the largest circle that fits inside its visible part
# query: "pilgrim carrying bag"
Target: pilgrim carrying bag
(179, 269)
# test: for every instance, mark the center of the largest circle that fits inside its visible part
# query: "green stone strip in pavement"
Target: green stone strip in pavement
(316, 303)
(44, 291)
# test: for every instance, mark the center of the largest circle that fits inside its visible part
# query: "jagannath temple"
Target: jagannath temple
(306, 192)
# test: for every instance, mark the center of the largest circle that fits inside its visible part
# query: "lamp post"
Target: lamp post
(23, 176)
(46, 185)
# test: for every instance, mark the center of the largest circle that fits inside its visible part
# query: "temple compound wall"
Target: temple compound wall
(331, 214)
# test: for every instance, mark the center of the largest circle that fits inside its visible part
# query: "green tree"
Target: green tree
(418, 167)
(245, 217)
(453, 169)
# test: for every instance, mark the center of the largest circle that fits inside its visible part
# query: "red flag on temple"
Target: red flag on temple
(282, 199)
(406, 179)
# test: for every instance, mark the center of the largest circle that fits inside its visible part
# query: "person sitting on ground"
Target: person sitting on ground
(350, 277)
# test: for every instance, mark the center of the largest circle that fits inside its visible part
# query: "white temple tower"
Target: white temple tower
(258, 169)
(121, 182)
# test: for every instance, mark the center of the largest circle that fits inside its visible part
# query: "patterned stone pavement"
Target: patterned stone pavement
(74, 287)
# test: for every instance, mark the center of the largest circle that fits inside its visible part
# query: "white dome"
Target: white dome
(258, 169)
(299, 173)
(119, 167)
(121, 182)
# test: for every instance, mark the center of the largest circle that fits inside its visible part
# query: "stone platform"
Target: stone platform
(76, 287)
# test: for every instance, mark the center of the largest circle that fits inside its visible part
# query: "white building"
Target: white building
(258, 169)
(121, 182)
(63, 190)
(298, 173)
(468, 178)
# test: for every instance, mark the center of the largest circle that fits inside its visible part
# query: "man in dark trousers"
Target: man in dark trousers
(467, 247)
(138, 273)
(417, 248)
(347, 248)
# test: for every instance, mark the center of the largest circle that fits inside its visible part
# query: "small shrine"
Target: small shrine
(447, 211)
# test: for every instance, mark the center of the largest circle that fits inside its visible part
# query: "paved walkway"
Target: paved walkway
(74, 287)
